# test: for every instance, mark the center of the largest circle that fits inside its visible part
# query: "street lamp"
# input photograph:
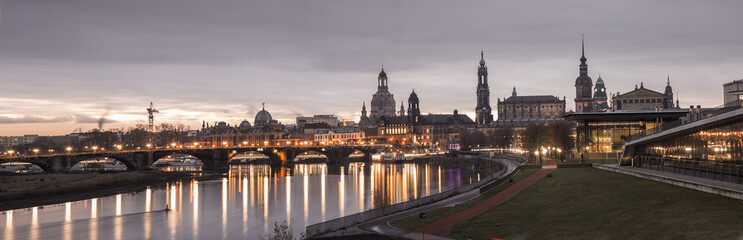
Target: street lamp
(68, 150)
(95, 148)
(149, 145)
(36, 151)
(11, 152)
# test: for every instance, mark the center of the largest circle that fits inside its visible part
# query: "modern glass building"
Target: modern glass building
(708, 148)
(606, 132)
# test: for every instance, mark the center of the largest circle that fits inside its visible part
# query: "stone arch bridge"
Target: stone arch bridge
(213, 158)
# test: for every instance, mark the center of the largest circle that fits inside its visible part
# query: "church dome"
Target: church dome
(382, 73)
(263, 117)
(245, 124)
(413, 97)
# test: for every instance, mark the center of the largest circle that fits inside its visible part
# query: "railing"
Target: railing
(728, 172)
(707, 113)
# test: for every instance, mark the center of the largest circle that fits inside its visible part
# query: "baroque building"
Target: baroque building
(483, 111)
(425, 130)
(383, 102)
(583, 85)
(520, 111)
(645, 99)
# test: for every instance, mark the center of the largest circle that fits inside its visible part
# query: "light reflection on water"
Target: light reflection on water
(244, 204)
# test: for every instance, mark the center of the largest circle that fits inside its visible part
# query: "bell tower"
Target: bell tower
(583, 84)
(483, 111)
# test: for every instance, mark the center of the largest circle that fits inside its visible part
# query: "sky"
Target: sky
(66, 63)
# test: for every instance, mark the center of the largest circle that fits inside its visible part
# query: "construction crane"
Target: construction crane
(151, 112)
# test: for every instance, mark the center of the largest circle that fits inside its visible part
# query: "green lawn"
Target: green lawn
(413, 222)
(587, 203)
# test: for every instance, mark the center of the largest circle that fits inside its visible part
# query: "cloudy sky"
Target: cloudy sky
(65, 63)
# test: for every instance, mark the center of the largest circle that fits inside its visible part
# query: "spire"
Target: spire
(668, 79)
(582, 49)
(514, 91)
(264, 105)
(482, 58)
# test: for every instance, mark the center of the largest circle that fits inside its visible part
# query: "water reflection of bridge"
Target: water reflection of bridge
(213, 158)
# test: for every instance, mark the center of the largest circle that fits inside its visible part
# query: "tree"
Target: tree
(560, 132)
(534, 137)
(470, 139)
(503, 137)
(136, 137)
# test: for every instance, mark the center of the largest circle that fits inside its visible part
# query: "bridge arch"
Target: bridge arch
(247, 156)
(307, 153)
(40, 164)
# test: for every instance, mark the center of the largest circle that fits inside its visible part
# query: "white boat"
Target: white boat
(178, 161)
(19, 167)
(185, 161)
(388, 158)
(105, 164)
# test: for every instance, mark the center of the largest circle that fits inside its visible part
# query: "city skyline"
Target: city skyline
(66, 64)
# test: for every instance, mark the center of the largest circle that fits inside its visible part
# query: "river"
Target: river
(245, 204)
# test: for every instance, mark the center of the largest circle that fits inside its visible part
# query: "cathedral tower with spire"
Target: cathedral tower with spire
(669, 93)
(483, 111)
(583, 84)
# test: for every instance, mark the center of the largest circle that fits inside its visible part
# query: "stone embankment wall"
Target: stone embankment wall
(501, 170)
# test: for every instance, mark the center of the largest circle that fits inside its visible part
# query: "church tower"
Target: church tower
(601, 103)
(669, 94)
(364, 121)
(414, 110)
(383, 102)
(583, 84)
(483, 111)
(402, 109)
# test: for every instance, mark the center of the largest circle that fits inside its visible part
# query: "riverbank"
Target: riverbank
(22, 191)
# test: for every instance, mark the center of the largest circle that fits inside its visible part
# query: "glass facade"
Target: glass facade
(713, 153)
(609, 136)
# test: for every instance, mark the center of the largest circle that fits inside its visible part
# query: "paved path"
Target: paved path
(446, 224)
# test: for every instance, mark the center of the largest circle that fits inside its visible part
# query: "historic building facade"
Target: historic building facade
(583, 85)
(483, 110)
(644, 99)
(383, 102)
(425, 130)
(520, 111)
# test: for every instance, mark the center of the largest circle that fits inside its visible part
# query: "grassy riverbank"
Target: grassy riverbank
(587, 203)
(413, 222)
(21, 191)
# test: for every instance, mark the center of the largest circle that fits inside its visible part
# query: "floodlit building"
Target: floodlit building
(520, 111)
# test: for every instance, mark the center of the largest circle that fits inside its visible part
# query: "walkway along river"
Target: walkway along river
(243, 205)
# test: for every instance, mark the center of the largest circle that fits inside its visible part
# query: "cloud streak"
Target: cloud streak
(63, 62)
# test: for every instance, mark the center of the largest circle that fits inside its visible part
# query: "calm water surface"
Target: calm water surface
(243, 205)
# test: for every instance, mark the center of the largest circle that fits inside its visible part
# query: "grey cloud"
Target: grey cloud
(32, 119)
(222, 58)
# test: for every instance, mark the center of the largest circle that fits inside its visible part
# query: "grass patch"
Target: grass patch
(412, 222)
(587, 203)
